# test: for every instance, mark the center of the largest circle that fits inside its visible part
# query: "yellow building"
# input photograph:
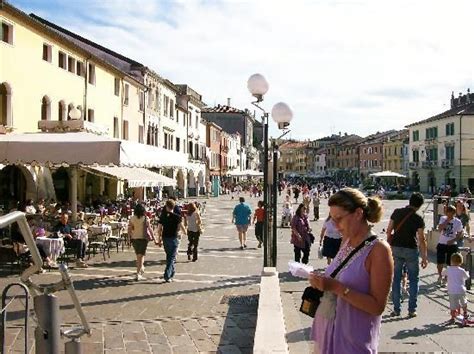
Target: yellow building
(393, 153)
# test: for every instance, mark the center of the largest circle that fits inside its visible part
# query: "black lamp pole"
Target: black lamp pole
(266, 239)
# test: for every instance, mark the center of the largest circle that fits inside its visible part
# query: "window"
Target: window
(141, 99)
(45, 108)
(197, 121)
(140, 134)
(90, 115)
(125, 130)
(450, 152)
(416, 135)
(47, 53)
(157, 100)
(177, 144)
(171, 109)
(166, 106)
(116, 127)
(416, 156)
(126, 93)
(431, 133)
(80, 69)
(116, 86)
(62, 60)
(61, 111)
(71, 64)
(91, 74)
(7, 33)
(150, 100)
(450, 129)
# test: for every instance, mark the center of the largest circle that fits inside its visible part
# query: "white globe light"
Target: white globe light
(281, 113)
(75, 114)
(257, 85)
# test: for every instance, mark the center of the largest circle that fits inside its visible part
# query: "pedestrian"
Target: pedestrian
(451, 231)
(193, 224)
(456, 287)
(258, 219)
(462, 213)
(349, 317)
(316, 203)
(137, 227)
(300, 235)
(241, 216)
(296, 193)
(330, 238)
(169, 224)
(306, 202)
(406, 235)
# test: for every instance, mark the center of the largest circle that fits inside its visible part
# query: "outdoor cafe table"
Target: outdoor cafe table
(53, 246)
(100, 229)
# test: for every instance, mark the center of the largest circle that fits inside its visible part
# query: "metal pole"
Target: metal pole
(48, 332)
(274, 206)
(3, 324)
(265, 190)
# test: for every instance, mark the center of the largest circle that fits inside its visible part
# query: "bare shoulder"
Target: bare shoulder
(381, 253)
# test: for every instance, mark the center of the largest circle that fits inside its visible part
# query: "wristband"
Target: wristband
(346, 292)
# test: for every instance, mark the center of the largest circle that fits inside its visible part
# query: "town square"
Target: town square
(174, 180)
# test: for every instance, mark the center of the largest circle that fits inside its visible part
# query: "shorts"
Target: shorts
(331, 247)
(140, 245)
(444, 253)
(242, 228)
(457, 301)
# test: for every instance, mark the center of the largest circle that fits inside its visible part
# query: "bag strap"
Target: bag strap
(354, 251)
(403, 220)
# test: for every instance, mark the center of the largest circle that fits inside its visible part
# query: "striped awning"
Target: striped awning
(135, 176)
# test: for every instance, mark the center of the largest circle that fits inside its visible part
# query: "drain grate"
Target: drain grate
(240, 300)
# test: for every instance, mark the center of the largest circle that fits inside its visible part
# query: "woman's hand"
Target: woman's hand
(323, 283)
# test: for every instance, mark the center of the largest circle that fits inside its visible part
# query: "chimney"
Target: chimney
(228, 101)
(452, 99)
(459, 98)
(468, 96)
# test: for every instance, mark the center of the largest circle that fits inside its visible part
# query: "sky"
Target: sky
(355, 66)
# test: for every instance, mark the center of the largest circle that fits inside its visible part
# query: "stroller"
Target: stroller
(287, 215)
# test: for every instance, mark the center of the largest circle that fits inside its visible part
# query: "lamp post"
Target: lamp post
(281, 113)
(74, 114)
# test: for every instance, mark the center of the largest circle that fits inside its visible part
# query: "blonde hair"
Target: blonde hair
(350, 199)
(456, 258)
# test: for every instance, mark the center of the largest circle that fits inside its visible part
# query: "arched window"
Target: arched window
(62, 111)
(69, 108)
(45, 108)
(5, 104)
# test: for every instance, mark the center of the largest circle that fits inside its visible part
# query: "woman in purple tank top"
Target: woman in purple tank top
(348, 319)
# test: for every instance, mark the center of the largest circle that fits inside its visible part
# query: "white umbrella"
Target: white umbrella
(387, 174)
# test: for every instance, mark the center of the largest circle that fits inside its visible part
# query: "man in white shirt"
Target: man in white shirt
(451, 231)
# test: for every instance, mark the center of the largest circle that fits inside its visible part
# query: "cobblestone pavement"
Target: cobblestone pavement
(425, 333)
(210, 307)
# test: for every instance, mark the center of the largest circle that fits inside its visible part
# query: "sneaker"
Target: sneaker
(259, 245)
(451, 321)
(189, 257)
(142, 271)
(395, 313)
(81, 264)
(170, 280)
(241, 247)
(412, 314)
(245, 246)
(138, 277)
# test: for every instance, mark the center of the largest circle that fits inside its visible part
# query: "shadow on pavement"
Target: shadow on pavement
(300, 335)
(127, 264)
(432, 328)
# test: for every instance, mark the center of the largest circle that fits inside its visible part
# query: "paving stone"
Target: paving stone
(183, 340)
(205, 345)
(184, 349)
(157, 339)
(191, 325)
(198, 334)
(134, 336)
(153, 328)
(173, 328)
(161, 349)
(138, 345)
(93, 348)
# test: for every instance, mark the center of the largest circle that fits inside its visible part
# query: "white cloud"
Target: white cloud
(355, 66)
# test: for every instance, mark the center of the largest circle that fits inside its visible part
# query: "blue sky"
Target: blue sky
(356, 66)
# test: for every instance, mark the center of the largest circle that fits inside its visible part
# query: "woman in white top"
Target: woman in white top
(136, 231)
(193, 224)
(330, 238)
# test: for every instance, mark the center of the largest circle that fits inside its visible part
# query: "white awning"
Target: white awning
(135, 176)
(81, 148)
(250, 173)
(387, 174)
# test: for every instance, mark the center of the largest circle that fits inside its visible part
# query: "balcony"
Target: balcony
(447, 163)
(429, 164)
(4, 129)
(79, 125)
(414, 164)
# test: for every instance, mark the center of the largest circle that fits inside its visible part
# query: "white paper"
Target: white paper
(300, 270)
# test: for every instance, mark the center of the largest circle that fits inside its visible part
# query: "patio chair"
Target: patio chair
(98, 242)
(115, 238)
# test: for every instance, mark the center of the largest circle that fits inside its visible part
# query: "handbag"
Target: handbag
(311, 297)
(148, 231)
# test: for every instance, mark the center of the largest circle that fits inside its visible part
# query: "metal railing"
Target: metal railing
(46, 305)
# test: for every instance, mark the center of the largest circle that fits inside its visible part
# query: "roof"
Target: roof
(464, 106)
(293, 145)
(223, 109)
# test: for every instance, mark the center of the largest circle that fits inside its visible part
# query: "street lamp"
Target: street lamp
(282, 115)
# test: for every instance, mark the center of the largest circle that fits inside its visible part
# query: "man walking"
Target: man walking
(241, 216)
(405, 233)
(168, 226)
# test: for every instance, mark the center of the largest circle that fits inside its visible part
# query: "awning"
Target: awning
(387, 174)
(81, 148)
(135, 176)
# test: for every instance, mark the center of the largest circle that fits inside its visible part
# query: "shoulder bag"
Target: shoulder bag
(147, 231)
(311, 297)
(396, 229)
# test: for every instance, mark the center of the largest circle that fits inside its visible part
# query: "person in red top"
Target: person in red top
(258, 218)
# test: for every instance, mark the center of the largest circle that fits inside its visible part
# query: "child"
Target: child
(258, 219)
(456, 288)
